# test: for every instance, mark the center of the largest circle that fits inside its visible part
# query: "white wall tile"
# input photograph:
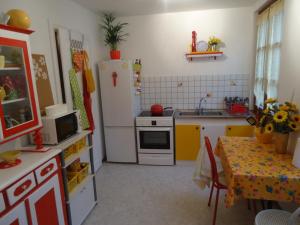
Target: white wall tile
(185, 91)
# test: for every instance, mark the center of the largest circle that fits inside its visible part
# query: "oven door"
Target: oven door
(155, 140)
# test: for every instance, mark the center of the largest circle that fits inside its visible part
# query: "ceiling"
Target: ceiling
(143, 7)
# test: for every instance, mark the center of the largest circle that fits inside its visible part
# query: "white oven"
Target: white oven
(154, 140)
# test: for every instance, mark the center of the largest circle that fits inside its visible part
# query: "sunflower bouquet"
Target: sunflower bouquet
(213, 42)
(280, 118)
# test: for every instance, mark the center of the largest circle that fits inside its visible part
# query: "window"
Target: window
(267, 68)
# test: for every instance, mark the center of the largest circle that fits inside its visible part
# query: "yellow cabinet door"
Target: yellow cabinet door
(240, 131)
(187, 141)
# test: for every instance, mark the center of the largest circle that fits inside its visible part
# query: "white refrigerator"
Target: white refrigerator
(120, 106)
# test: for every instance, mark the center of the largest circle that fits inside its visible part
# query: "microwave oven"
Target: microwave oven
(58, 128)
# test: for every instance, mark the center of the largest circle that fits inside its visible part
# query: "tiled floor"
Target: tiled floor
(157, 195)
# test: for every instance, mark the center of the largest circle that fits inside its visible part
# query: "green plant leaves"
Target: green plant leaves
(114, 33)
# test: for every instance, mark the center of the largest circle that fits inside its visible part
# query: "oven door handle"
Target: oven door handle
(154, 129)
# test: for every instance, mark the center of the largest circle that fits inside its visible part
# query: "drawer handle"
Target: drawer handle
(47, 169)
(19, 190)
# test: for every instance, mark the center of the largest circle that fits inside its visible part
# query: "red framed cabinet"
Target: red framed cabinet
(17, 216)
(19, 108)
(35, 201)
(45, 204)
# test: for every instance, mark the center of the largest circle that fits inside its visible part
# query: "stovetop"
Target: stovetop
(166, 113)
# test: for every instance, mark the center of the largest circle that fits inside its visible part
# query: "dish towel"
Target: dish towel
(202, 174)
(88, 88)
(78, 100)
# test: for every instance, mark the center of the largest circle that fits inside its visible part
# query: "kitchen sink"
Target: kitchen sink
(211, 113)
(200, 114)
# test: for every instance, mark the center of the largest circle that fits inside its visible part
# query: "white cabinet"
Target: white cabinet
(44, 201)
(213, 131)
(19, 110)
(46, 204)
(17, 216)
(83, 197)
(82, 204)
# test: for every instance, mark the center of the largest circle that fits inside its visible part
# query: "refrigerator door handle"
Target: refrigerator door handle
(114, 76)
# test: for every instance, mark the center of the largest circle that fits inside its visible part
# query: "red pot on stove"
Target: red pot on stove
(157, 110)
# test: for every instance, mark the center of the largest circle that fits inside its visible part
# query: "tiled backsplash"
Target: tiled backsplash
(184, 92)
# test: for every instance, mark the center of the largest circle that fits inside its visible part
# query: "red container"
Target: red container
(238, 108)
(157, 110)
(115, 54)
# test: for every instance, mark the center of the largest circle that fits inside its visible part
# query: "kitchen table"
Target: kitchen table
(255, 171)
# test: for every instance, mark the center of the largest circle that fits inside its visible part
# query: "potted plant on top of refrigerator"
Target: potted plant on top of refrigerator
(114, 34)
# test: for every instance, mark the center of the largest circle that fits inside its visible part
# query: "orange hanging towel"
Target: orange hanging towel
(90, 82)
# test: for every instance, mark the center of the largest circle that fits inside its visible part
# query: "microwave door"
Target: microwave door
(66, 126)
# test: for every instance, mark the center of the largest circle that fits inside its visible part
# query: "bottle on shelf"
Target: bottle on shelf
(194, 40)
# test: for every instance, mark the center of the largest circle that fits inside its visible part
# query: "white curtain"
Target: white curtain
(269, 36)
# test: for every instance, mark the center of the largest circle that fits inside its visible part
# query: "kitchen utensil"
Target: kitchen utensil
(10, 156)
(157, 110)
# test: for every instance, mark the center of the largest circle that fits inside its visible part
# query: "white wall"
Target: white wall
(290, 66)
(161, 40)
(67, 14)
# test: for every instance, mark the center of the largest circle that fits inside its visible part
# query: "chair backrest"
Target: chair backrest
(239, 131)
(213, 164)
(295, 217)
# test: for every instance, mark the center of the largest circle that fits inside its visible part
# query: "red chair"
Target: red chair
(215, 178)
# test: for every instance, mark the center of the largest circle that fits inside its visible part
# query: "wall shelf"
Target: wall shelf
(75, 156)
(82, 199)
(192, 55)
(13, 101)
(10, 68)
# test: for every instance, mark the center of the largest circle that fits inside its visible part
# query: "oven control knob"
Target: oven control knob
(153, 122)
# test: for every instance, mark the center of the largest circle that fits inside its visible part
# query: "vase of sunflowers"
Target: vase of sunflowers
(279, 120)
(213, 43)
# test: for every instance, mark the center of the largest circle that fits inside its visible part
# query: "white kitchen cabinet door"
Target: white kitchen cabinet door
(82, 203)
(212, 131)
(16, 216)
(46, 207)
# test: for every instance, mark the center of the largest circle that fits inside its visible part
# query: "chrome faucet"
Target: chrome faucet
(200, 109)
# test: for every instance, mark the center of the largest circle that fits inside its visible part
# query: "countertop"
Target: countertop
(224, 115)
(30, 161)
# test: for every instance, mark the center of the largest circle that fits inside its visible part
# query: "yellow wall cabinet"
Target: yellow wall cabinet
(187, 138)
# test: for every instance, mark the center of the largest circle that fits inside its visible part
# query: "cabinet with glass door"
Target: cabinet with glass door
(19, 112)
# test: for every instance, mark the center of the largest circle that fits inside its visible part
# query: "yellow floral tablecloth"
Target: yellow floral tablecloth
(256, 171)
